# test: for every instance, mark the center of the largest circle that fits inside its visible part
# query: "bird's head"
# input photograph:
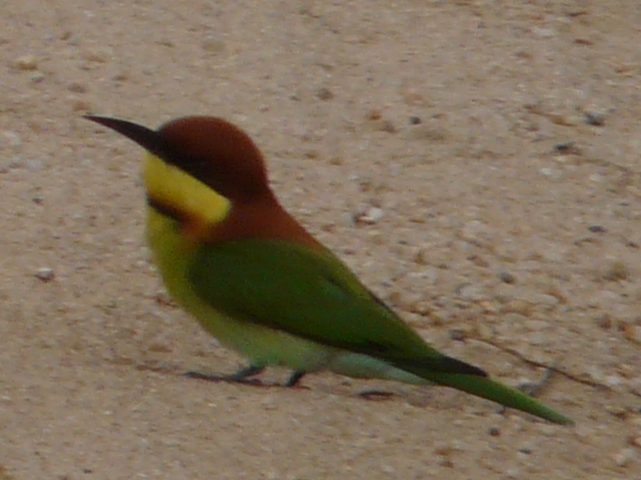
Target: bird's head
(210, 177)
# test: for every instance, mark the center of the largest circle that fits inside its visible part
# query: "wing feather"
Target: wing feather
(310, 294)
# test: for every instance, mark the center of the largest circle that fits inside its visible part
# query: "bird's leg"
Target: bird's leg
(294, 378)
(241, 376)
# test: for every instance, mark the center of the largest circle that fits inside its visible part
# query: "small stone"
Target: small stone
(386, 126)
(165, 42)
(507, 277)
(474, 230)
(604, 322)
(324, 94)
(595, 119)
(545, 299)
(613, 381)
(373, 215)
(635, 441)
(77, 87)
(624, 457)
(445, 449)
(395, 298)
(161, 297)
(26, 62)
(631, 332)
(328, 227)
(421, 257)
(553, 173)
(457, 334)
(565, 120)
(526, 449)
(583, 41)
(543, 32)
(120, 77)
(445, 462)
(374, 114)
(616, 271)
(614, 410)
(423, 308)
(470, 292)
(479, 261)
(45, 274)
(36, 77)
(626, 370)
(565, 147)
(513, 473)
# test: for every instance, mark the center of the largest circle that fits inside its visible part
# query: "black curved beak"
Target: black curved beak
(147, 138)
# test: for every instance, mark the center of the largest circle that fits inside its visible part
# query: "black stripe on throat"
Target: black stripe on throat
(167, 210)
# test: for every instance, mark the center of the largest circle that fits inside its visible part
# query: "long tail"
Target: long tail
(485, 387)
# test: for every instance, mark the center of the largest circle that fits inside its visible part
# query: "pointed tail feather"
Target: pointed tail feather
(489, 389)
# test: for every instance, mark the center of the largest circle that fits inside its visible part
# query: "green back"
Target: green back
(310, 294)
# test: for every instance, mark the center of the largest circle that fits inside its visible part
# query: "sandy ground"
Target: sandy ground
(475, 162)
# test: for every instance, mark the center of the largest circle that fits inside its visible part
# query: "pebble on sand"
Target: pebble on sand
(45, 274)
(26, 62)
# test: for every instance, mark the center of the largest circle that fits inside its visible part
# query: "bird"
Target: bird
(253, 277)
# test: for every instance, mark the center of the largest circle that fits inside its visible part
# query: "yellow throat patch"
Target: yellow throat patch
(195, 206)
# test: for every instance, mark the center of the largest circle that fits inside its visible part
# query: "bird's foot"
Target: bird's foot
(244, 376)
(294, 379)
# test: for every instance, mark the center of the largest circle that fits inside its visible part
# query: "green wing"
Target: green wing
(309, 294)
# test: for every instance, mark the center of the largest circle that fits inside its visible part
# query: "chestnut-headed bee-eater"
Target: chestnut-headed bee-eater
(255, 279)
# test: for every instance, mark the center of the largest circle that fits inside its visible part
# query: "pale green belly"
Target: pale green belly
(263, 346)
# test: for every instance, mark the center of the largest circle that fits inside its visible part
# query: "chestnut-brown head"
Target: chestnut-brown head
(210, 149)
(218, 154)
(209, 176)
